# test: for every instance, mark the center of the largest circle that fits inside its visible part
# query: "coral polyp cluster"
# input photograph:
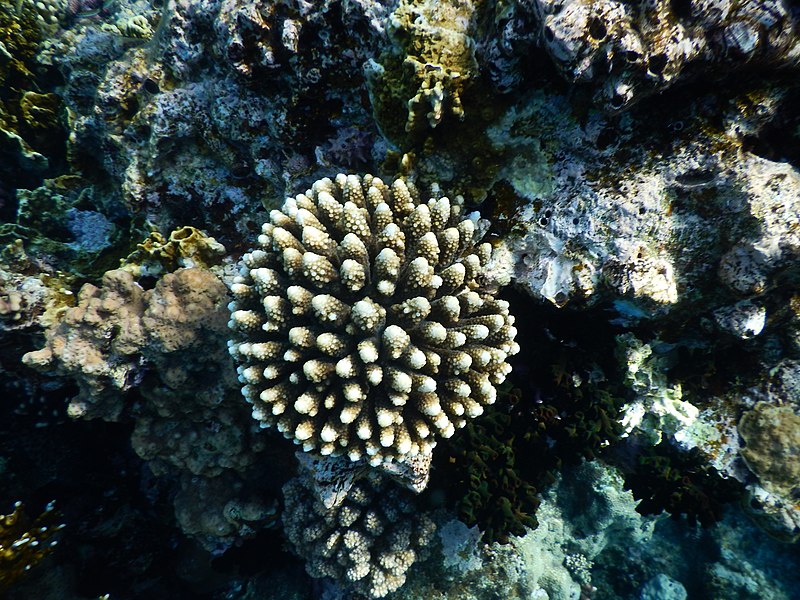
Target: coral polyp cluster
(367, 543)
(363, 324)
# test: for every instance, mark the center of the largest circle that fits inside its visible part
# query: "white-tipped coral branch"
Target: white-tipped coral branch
(388, 335)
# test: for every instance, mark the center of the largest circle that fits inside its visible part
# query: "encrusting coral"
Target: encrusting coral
(186, 247)
(364, 326)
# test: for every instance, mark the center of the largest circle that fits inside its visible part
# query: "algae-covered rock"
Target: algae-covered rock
(663, 587)
(69, 225)
(19, 39)
(629, 51)
(772, 446)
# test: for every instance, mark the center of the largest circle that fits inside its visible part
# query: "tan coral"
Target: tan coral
(364, 326)
(772, 446)
(185, 247)
(170, 343)
(97, 341)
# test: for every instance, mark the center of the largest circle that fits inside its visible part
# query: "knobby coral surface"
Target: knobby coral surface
(363, 324)
(24, 542)
(158, 357)
(635, 49)
(367, 543)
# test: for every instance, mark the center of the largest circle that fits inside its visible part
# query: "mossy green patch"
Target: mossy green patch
(681, 483)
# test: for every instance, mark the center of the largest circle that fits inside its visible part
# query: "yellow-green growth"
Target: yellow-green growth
(185, 247)
(29, 120)
(24, 542)
(424, 77)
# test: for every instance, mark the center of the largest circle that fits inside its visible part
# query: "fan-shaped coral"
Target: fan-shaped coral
(363, 323)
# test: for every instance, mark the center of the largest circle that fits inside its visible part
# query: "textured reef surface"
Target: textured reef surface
(454, 299)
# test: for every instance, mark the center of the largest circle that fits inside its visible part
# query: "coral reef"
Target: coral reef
(589, 238)
(65, 225)
(588, 509)
(747, 567)
(28, 296)
(639, 165)
(503, 461)
(367, 543)
(378, 299)
(663, 587)
(218, 511)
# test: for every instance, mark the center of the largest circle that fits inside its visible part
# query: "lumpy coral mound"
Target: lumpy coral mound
(367, 543)
(363, 323)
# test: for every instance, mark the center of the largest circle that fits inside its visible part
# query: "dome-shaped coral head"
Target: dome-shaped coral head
(363, 324)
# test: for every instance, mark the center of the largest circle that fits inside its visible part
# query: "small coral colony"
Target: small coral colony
(512, 282)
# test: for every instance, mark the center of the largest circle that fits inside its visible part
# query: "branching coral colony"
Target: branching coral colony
(364, 326)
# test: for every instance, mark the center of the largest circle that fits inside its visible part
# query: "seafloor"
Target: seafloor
(458, 299)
